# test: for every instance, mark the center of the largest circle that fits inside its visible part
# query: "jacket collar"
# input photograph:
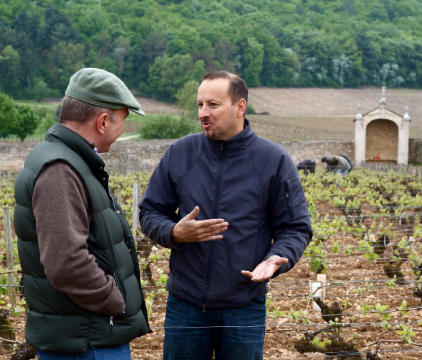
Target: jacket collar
(61, 133)
(237, 142)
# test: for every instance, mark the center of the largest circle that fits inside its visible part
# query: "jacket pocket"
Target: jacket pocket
(295, 199)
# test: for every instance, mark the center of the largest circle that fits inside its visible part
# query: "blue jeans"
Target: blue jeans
(341, 171)
(112, 353)
(233, 334)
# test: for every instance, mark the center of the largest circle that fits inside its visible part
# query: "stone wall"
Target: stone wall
(415, 151)
(128, 156)
(13, 154)
(318, 149)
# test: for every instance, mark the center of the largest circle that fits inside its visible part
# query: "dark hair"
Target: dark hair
(237, 88)
(79, 111)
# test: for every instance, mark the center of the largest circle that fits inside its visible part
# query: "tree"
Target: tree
(187, 99)
(252, 62)
(226, 55)
(27, 41)
(279, 65)
(10, 61)
(25, 122)
(168, 74)
(369, 55)
(181, 40)
(40, 91)
(58, 27)
(7, 114)
(271, 43)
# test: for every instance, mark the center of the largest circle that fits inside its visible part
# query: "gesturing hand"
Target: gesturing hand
(190, 230)
(266, 269)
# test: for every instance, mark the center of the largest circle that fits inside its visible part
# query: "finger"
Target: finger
(214, 237)
(208, 238)
(277, 260)
(259, 276)
(207, 235)
(212, 231)
(247, 273)
(211, 222)
(193, 214)
(217, 227)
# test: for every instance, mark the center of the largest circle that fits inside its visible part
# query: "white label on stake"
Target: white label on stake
(316, 293)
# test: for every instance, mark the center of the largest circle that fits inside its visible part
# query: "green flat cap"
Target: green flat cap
(102, 88)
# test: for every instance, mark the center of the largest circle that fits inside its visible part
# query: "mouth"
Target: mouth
(206, 124)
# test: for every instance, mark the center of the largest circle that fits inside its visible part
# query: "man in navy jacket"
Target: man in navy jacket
(231, 207)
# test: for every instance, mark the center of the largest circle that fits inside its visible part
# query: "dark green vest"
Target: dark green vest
(54, 322)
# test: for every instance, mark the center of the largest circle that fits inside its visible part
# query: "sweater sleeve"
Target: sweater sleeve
(62, 213)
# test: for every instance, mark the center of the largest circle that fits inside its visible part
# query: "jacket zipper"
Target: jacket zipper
(111, 324)
(116, 279)
(211, 244)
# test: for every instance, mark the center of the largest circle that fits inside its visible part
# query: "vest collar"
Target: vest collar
(61, 133)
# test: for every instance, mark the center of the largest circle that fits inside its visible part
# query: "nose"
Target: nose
(203, 112)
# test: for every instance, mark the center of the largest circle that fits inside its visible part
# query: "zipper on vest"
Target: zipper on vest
(113, 205)
(211, 243)
(111, 324)
(111, 249)
(119, 286)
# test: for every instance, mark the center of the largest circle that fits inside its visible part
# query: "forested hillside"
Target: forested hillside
(156, 46)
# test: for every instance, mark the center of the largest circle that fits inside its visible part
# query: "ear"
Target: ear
(241, 108)
(101, 123)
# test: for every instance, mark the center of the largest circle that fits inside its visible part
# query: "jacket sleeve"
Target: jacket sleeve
(157, 208)
(288, 215)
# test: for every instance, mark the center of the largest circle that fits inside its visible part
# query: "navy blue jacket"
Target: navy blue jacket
(248, 181)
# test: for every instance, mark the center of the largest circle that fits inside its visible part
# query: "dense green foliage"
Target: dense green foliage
(167, 127)
(25, 122)
(186, 99)
(17, 120)
(7, 114)
(157, 46)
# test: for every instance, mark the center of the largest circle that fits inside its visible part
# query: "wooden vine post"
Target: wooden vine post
(9, 254)
(119, 196)
(135, 209)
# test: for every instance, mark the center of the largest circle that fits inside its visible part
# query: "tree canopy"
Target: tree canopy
(157, 46)
(17, 120)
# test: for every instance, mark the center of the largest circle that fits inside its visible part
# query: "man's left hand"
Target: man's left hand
(266, 269)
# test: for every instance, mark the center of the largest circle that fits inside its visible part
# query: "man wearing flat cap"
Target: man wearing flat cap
(78, 257)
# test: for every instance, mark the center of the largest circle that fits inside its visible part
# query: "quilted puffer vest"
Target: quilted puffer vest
(54, 322)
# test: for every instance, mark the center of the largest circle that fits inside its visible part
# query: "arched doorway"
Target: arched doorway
(382, 138)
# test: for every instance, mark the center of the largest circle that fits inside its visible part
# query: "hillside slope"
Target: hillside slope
(325, 114)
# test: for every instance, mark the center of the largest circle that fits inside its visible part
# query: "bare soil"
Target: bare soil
(325, 114)
(152, 106)
(332, 102)
(314, 114)
(352, 281)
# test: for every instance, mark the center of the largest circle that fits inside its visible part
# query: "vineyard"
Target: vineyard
(355, 294)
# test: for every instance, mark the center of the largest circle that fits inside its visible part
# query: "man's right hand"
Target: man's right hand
(190, 230)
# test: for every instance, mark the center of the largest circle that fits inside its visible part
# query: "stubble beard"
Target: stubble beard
(210, 134)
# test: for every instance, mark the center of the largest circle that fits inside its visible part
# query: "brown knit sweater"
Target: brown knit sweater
(63, 214)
